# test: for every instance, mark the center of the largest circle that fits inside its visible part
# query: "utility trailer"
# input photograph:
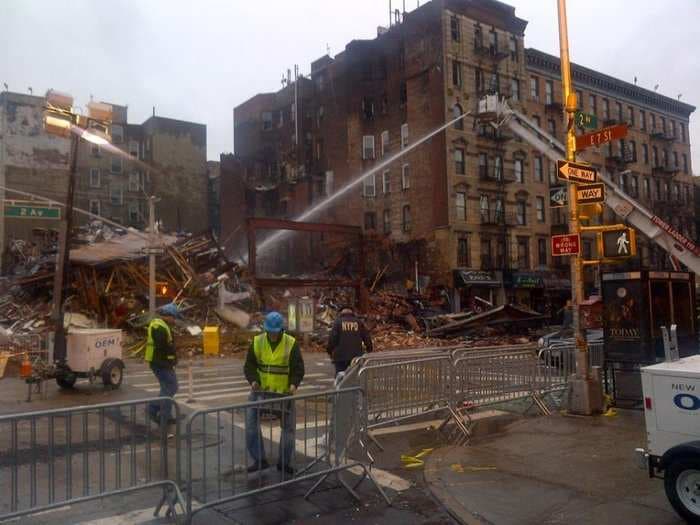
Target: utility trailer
(672, 413)
(92, 353)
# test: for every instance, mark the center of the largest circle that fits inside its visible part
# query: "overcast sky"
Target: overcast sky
(197, 60)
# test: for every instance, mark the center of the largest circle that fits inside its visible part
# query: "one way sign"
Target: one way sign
(590, 193)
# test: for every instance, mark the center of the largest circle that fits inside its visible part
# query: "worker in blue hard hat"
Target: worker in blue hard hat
(274, 368)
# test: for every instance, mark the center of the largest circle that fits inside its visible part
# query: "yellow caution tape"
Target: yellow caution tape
(415, 461)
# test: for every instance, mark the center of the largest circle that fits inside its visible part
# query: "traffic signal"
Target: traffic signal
(619, 243)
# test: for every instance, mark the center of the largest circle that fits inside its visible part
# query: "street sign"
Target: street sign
(17, 211)
(618, 244)
(558, 197)
(155, 250)
(576, 172)
(569, 244)
(585, 120)
(601, 136)
(590, 193)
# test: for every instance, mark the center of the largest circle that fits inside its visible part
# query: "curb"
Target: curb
(452, 506)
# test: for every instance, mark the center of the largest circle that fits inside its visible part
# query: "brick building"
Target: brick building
(471, 205)
(162, 156)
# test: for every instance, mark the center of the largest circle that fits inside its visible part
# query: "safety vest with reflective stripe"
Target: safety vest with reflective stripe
(156, 323)
(273, 366)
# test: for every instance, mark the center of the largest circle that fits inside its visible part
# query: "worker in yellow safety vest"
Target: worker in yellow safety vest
(274, 368)
(161, 357)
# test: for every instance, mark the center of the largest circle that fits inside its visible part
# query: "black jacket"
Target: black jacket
(296, 365)
(346, 339)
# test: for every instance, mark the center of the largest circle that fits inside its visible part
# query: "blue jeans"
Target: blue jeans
(253, 435)
(168, 388)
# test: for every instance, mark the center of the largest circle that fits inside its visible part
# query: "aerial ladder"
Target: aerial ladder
(498, 113)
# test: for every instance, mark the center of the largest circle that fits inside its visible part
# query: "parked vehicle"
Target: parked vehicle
(672, 413)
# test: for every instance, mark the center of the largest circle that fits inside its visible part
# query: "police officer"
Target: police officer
(274, 368)
(162, 358)
(347, 337)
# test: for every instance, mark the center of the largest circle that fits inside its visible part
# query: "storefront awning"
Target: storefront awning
(467, 278)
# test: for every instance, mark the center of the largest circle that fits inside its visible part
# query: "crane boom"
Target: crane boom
(627, 208)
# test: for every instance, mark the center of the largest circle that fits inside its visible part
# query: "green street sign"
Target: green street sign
(585, 120)
(14, 211)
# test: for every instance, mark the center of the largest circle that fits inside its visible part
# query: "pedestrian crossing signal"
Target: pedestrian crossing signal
(618, 244)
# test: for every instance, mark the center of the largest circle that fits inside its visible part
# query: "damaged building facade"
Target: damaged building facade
(169, 161)
(469, 209)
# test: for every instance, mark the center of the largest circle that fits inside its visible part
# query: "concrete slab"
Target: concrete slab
(552, 470)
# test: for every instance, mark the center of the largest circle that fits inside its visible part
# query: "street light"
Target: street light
(61, 119)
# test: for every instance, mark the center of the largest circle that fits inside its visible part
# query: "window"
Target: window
(495, 82)
(404, 135)
(500, 212)
(676, 192)
(653, 122)
(536, 120)
(94, 177)
(685, 163)
(518, 167)
(456, 112)
(593, 103)
(540, 208)
(520, 209)
(663, 124)
(667, 191)
(384, 143)
(549, 92)
(676, 164)
(459, 161)
(552, 126)
(513, 47)
(606, 109)
(483, 165)
(542, 252)
(630, 115)
(493, 39)
(587, 250)
(484, 207)
(370, 220)
(479, 79)
(633, 151)
(387, 221)
(454, 28)
(117, 134)
(368, 108)
(461, 205)
(498, 168)
(116, 196)
(94, 206)
(645, 153)
(368, 147)
(136, 181)
(267, 120)
(552, 170)
(523, 252)
(657, 190)
(664, 157)
(386, 182)
(486, 254)
(116, 165)
(682, 133)
(463, 255)
(319, 149)
(643, 119)
(654, 156)
(687, 194)
(674, 131)
(405, 177)
(456, 74)
(534, 88)
(647, 190)
(134, 149)
(635, 186)
(515, 89)
(579, 99)
(538, 169)
(369, 187)
(134, 212)
(406, 218)
(619, 111)
(95, 150)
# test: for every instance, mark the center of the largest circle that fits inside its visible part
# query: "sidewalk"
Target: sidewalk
(552, 470)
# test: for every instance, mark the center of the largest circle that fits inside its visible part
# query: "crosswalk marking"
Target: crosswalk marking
(237, 379)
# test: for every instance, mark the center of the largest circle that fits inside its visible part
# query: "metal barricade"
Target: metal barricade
(407, 389)
(317, 434)
(488, 350)
(489, 378)
(396, 356)
(53, 458)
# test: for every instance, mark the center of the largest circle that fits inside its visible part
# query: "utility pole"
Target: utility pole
(582, 399)
(63, 261)
(152, 256)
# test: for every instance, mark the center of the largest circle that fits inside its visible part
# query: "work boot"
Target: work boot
(255, 467)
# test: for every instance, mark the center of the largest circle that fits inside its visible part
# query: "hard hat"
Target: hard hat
(274, 322)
